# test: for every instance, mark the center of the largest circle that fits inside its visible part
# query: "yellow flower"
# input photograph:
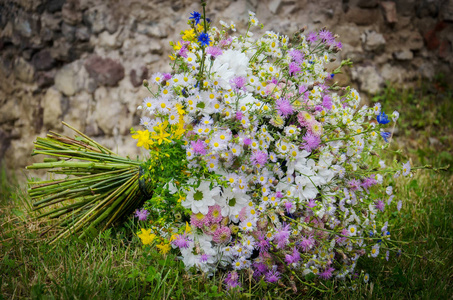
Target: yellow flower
(188, 229)
(162, 135)
(143, 139)
(146, 236)
(163, 248)
(180, 109)
(189, 35)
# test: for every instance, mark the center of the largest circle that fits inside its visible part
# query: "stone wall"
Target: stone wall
(83, 61)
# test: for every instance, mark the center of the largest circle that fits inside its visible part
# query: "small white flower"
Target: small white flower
(375, 250)
(199, 199)
(395, 116)
(389, 190)
(406, 168)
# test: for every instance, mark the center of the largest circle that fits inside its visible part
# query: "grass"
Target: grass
(116, 266)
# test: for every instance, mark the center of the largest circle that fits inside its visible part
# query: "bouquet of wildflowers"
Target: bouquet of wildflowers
(258, 162)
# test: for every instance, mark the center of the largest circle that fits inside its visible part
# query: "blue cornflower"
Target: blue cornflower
(196, 17)
(204, 39)
(382, 118)
(385, 136)
(332, 75)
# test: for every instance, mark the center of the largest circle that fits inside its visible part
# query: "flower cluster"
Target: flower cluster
(280, 171)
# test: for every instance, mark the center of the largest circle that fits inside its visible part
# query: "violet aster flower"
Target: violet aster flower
(204, 258)
(273, 275)
(327, 102)
(327, 273)
(142, 215)
(284, 107)
(239, 115)
(198, 147)
(232, 280)
(312, 37)
(238, 83)
(311, 142)
(282, 235)
(296, 55)
(293, 68)
(258, 158)
(181, 241)
(293, 258)
(214, 51)
(306, 243)
(311, 203)
(263, 244)
(380, 205)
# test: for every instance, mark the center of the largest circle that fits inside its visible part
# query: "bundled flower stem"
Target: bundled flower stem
(101, 187)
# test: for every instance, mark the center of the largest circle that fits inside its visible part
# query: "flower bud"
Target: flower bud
(145, 83)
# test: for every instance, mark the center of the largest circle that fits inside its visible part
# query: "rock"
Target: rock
(349, 34)
(138, 75)
(367, 3)
(73, 78)
(45, 79)
(60, 50)
(153, 29)
(362, 16)
(109, 41)
(111, 23)
(104, 70)
(389, 9)
(51, 21)
(447, 10)
(52, 110)
(392, 74)
(77, 112)
(68, 32)
(274, 5)
(43, 60)
(54, 5)
(71, 12)
(412, 39)
(373, 41)
(23, 70)
(109, 109)
(26, 25)
(405, 54)
(82, 34)
(94, 17)
(10, 111)
(369, 79)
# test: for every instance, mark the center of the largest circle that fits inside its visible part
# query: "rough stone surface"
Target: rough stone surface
(369, 79)
(83, 61)
(105, 71)
(373, 41)
(389, 8)
(52, 110)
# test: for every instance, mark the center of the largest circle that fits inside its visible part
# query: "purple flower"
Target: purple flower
(288, 206)
(166, 76)
(293, 68)
(354, 184)
(273, 275)
(204, 258)
(296, 55)
(327, 102)
(183, 51)
(238, 83)
(214, 51)
(195, 16)
(325, 35)
(284, 107)
(204, 39)
(142, 215)
(239, 115)
(339, 45)
(306, 243)
(311, 142)
(198, 147)
(369, 182)
(181, 241)
(258, 158)
(247, 141)
(279, 194)
(232, 280)
(263, 244)
(312, 37)
(311, 203)
(327, 273)
(282, 235)
(260, 269)
(293, 258)
(380, 205)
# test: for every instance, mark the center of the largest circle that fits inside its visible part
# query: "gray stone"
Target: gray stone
(54, 5)
(108, 110)
(95, 17)
(82, 34)
(52, 111)
(10, 111)
(274, 5)
(447, 10)
(362, 16)
(73, 78)
(153, 29)
(373, 41)
(43, 60)
(389, 9)
(105, 71)
(369, 79)
(405, 54)
(71, 12)
(68, 32)
(349, 34)
(23, 70)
